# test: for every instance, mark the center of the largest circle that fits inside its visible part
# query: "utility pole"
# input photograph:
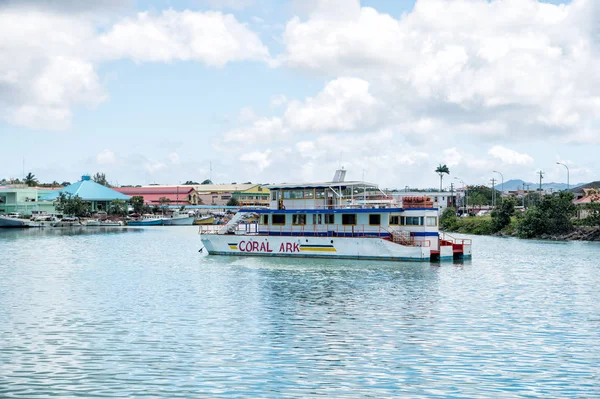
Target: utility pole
(541, 177)
(523, 195)
(452, 195)
(493, 192)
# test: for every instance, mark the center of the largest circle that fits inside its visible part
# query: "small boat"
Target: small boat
(146, 222)
(13, 220)
(178, 219)
(104, 223)
(67, 222)
(208, 219)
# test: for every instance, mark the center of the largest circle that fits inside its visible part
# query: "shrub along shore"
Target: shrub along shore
(551, 218)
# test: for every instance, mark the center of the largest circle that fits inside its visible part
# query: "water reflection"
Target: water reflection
(140, 313)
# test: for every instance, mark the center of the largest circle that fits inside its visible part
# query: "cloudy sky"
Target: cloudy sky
(271, 91)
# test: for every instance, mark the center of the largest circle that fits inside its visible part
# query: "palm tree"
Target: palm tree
(440, 170)
(30, 179)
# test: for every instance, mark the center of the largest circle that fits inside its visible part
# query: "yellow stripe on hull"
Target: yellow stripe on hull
(317, 249)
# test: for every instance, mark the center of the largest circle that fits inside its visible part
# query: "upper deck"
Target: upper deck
(328, 195)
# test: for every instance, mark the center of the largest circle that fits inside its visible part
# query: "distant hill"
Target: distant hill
(517, 184)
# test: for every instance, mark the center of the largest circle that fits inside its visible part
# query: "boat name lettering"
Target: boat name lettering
(254, 246)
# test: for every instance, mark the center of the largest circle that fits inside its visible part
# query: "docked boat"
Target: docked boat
(13, 220)
(149, 221)
(104, 223)
(331, 220)
(67, 222)
(178, 219)
(207, 219)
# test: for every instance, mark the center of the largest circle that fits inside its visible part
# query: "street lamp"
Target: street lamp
(501, 175)
(568, 185)
(466, 194)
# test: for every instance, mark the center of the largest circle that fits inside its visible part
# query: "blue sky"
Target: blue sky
(272, 91)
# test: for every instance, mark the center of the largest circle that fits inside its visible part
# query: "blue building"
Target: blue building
(96, 194)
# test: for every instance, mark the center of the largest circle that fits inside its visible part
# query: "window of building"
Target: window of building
(265, 219)
(329, 218)
(431, 221)
(394, 220)
(317, 218)
(375, 219)
(348, 218)
(225, 197)
(278, 218)
(299, 219)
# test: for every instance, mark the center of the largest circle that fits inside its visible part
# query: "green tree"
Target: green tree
(233, 202)
(551, 216)
(441, 170)
(118, 207)
(72, 205)
(65, 183)
(31, 180)
(100, 178)
(190, 183)
(207, 181)
(137, 202)
(448, 220)
(501, 215)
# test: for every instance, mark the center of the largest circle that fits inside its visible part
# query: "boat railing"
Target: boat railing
(320, 230)
(462, 241)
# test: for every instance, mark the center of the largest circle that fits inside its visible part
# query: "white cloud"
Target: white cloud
(452, 156)
(259, 159)
(345, 104)
(106, 157)
(509, 156)
(210, 37)
(529, 66)
(49, 59)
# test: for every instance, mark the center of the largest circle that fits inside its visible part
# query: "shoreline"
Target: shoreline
(579, 233)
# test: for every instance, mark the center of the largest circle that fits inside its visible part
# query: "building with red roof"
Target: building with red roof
(177, 195)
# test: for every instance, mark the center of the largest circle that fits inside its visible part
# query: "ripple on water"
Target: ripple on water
(140, 313)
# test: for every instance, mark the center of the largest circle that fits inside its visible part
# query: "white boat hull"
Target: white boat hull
(14, 222)
(185, 221)
(315, 247)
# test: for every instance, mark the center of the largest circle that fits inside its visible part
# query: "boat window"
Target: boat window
(299, 219)
(297, 194)
(348, 218)
(273, 195)
(330, 218)
(265, 219)
(431, 221)
(287, 194)
(319, 193)
(317, 218)
(309, 194)
(395, 220)
(375, 219)
(278, 219)
(414, 221)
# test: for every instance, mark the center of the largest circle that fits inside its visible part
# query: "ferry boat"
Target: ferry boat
(335, 220)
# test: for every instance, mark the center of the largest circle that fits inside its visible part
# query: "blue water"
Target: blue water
(140, 313)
